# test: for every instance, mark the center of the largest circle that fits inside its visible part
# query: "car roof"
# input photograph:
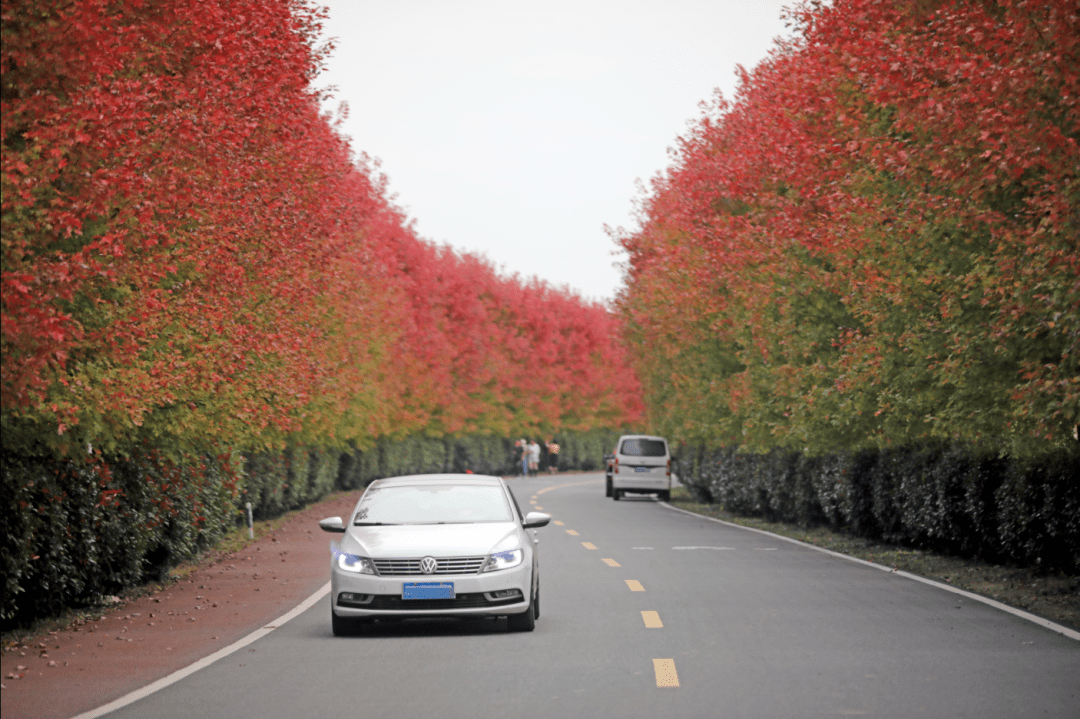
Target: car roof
(474, 480)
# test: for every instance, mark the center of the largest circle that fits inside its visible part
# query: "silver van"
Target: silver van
(641, 465)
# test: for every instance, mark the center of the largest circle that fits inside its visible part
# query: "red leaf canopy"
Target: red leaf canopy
(193, 256)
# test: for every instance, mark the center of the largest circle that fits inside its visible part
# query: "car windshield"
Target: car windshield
(644, 447)
(432, 504)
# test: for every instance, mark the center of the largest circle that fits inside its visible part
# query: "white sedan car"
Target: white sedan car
(435, 545)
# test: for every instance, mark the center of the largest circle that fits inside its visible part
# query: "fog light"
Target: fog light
(353, 598)
(503, 594)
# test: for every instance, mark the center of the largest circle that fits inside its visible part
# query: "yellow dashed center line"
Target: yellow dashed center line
(538, 507)
(666, 676)
(652, 621)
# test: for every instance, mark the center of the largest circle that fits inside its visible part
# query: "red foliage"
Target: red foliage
(879, 235)
(190, 254)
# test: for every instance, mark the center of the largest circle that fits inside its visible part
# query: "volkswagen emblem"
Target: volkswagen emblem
(428, 565)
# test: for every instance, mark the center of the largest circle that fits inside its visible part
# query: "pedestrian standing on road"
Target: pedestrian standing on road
(534, 457)
(523, 456)
(553, 457)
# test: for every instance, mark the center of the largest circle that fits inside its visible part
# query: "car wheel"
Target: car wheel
(608, 492)
(524, 622)
(344, 626)
(536, 602)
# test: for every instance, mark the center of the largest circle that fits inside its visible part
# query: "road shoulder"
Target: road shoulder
(953, 574)
(224, 599)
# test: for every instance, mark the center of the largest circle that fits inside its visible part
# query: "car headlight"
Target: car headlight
(354, 563)
(504, 560)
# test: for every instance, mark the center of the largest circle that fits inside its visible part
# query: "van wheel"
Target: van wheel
(664, 496)
(616, 494)
(608, 488)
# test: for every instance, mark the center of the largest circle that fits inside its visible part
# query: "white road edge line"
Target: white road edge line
(179, 674)
(1071, 634)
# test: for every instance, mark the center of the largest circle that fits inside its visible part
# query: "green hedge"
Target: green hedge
(585, 450)
(75, 531)
(481, 454)
(279, 482)
(956, 499)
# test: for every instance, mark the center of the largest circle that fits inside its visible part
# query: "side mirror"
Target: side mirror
(332, 524)
(535, 519)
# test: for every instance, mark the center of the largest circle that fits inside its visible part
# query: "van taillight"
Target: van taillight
(616, 465)
(669, 467)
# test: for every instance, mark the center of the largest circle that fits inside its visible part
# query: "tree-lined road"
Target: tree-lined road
(648, 612)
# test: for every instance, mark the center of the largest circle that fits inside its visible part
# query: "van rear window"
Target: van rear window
(643, 448)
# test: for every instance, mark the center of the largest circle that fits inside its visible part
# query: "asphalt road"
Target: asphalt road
(647, 612)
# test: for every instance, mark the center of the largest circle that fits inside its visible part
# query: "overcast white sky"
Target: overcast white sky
(517, 130)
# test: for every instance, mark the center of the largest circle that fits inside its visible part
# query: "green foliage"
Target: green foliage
(585, 450)
(950, 497)
(266, 479)
(477, 453)
(1039, 511)
(73, 531)
(194, 262)
(279, 482)
(482, 454)
(863, 251)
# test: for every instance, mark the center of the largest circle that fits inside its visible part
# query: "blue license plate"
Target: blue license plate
(642, 469)
(428, 590)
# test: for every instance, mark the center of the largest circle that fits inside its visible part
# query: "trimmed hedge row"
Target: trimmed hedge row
(583, 450)
(951, 498)
(73, 532)
(279, 482)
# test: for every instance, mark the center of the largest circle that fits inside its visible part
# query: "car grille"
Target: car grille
(461, 601)
(448, 565)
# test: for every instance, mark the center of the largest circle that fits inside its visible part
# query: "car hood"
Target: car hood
(419, 540)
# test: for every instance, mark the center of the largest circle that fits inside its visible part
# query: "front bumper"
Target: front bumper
(476, 594)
